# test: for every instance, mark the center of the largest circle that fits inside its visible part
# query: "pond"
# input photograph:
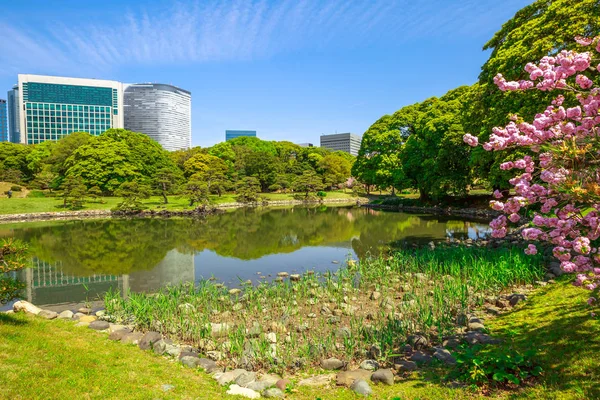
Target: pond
(77, 261)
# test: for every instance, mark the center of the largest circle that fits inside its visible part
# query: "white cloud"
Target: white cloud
(237, 30)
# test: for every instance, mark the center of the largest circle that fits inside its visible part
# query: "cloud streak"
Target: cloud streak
(238, 30)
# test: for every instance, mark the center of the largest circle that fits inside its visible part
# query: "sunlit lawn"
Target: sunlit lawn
(50, 204)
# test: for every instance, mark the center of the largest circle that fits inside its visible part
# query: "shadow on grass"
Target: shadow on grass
(556, 323)
(10, 319)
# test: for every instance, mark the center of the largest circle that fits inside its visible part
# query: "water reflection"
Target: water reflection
(79, 260)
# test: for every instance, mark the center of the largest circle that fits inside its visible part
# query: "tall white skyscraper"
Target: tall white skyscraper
(163, 112)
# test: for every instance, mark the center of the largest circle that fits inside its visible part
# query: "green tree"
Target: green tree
(132, 193)
(309, 182)
(336, 169)
(197, 192)
(248, 190)
(63, 149)
(166, 181)
(45, 178)
(263, 166)
(95, 193)
(14, 157)
(543, 28)
(73, 191)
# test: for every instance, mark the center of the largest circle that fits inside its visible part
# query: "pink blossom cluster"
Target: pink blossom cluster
(568, 218)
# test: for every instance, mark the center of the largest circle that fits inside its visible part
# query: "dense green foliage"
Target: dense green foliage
(104, 163)
(420, 146)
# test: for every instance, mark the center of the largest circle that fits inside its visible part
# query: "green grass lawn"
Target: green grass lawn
(54, 204)
(42, 359)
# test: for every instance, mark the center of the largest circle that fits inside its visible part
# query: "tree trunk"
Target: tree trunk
(164, 194)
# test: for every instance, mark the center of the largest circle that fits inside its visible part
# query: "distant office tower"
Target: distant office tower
(52, 107)
(348, 142)
(306, 145)
(163, 112)
(235, 134)
(14, 130)
(3, 122)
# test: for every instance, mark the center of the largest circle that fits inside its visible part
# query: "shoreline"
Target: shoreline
(90, 214)
(476, 213)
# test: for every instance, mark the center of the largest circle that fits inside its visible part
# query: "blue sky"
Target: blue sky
(292, 70)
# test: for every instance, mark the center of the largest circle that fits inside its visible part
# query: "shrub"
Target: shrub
(321, 194)
(494, 367)
(12, 255)
(16, 188)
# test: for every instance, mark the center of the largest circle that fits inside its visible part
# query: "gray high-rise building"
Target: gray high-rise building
(14, 131)
(3, 122)
(348, 142)
(163, 112)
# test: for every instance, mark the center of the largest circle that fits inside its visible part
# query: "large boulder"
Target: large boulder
(347, 378)
(146, 342)
(27, 307)
(385, 376)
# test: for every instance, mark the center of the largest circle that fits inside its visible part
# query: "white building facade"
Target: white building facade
(163, 112)
(348, 142)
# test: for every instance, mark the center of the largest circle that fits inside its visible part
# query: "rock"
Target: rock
(82, 324)
(347, 378)
(406, 366)
(451, 342)
(48, 314)
(272, 337)
(418, 341)
(78, 315)
(319, 380)
(254, 331)
(274, 393)
(374, 352)
(242, 391)
(186, 353)
(312, 315)
(332, 364)
(369, 365)
(119, 334)
(100, 313)
(482, 338)
(132, 338)
(502, 303)
(235, 291)
(282, 384)
(85, 310)
(220, 330)
(99, 325)
(215, 355)
(237, 306)
(87, 318)
(26, 306)
(295, 277)
(283, 274)
(159, 347)
(208, 365)
(245, 378)
(361, 387)
(67, 314)
(492, 310)
(223, 378)
(444, 356)
(420, 357)
(173, 350)
(146, 342)
(343, 332)
(325, 310)
(375, 296)
(265, 382)
(476, 326)
(516, 298)
(116, 327)
(166, 387)
(190, 361)
(385, 376)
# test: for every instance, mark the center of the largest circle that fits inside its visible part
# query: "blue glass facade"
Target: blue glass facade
(3, 122)
(55, 110)
(235, 134)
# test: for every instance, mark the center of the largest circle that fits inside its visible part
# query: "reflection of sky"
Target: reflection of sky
(228, 269)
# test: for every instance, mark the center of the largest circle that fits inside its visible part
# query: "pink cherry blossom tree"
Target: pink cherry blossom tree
(559, 186)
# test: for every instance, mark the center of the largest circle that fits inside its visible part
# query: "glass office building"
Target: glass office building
(14, 133)
(52, 107)
(235, 134)
(163, 112)
(3, 122)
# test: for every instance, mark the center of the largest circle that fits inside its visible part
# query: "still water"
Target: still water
(77, 261)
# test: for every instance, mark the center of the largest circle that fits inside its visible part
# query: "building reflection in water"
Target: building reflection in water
(50, 287)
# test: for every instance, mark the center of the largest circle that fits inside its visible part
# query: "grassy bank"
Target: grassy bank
(379, 303)
(176, 203)
(42, 359)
